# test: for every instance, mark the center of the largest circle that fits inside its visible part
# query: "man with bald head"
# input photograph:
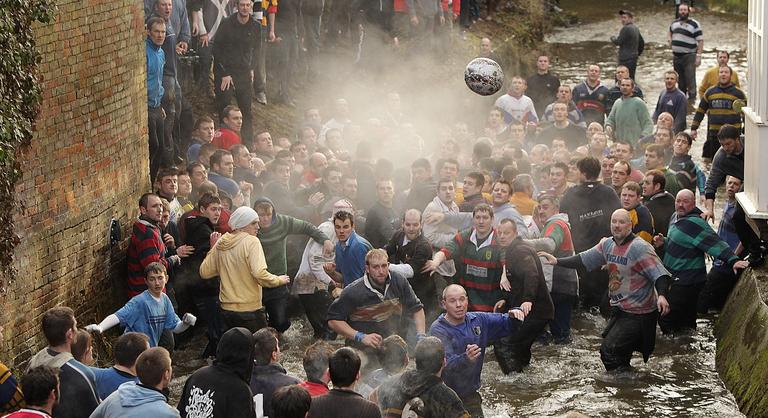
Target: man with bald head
(316, 165)
(637, 288)
(486, 51)
(688, 240)
(465, 335)
(409, 246)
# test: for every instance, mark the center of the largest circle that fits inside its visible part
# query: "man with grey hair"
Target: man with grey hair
(688, 240)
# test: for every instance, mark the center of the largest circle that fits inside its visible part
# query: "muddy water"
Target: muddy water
(680, 379)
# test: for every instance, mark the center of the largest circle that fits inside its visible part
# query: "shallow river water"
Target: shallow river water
(680, 379)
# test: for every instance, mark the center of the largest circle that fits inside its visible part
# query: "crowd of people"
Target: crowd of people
(567, 198)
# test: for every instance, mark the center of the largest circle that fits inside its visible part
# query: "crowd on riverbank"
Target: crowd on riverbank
(565, 197)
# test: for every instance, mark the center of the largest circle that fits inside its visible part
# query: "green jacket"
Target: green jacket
(273, 238)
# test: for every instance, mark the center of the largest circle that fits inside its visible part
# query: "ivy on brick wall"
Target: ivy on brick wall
(19, 105)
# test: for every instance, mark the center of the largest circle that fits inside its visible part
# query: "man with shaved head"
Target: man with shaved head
(465, 335)
(637, 288)
(688, 240)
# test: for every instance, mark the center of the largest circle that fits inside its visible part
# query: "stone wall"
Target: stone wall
(742, 343)
(87, 164)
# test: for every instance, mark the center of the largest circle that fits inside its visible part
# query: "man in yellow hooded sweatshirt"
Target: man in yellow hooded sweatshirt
(238, 259)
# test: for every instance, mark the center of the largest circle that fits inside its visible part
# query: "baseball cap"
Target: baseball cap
(626, 12)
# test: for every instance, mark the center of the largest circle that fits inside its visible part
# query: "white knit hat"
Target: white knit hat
(242, 217)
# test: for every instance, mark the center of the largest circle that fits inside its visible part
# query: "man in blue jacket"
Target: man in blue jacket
(155, 91)
(465, 335)
(146, 397)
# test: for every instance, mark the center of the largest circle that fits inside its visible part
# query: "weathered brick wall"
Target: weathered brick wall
(87, 164)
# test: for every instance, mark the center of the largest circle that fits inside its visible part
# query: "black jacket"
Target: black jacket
(234, 46)
(223, 387)
(380, 225)
(589, 207)
(197, 233)
(265, 380)
(420, 195)
(662, 206)
(723, 164)
(437, 399)
(526, 278)
(416, 254)
(342, 403)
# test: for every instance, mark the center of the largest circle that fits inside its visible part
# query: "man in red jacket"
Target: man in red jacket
(146, 245)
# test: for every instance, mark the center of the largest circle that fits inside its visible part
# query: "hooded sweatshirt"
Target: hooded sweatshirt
(589, 207)
(238, 259)
(437, 399)
(221, 390)
(133, 399)
(273, 238)
(78, 384)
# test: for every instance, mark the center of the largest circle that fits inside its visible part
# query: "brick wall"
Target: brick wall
(87, 164)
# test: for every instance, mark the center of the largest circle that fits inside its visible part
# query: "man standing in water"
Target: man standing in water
(465, 335)
(628, 41)
(687, 42)
(637, 289)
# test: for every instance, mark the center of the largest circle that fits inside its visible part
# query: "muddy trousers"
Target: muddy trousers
(514, 351)
(252, 320)
(156, 139)
(560, 325)
(316, 307)
(593, 289)
(683, 301)
(625, 334)
(685, 65)
(631, 64)
(720, 283)
(473, 403)
(243, 94)
(275, 301)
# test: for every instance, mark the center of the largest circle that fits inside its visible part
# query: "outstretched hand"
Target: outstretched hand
(548, 258)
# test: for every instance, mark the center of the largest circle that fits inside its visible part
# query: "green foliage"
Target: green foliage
(19, 106)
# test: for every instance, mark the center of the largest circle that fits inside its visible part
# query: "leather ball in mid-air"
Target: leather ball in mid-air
(484, 76)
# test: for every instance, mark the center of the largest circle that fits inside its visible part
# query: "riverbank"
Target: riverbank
(742, 343)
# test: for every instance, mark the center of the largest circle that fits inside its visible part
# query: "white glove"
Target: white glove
(94, 328)
(189, 319)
